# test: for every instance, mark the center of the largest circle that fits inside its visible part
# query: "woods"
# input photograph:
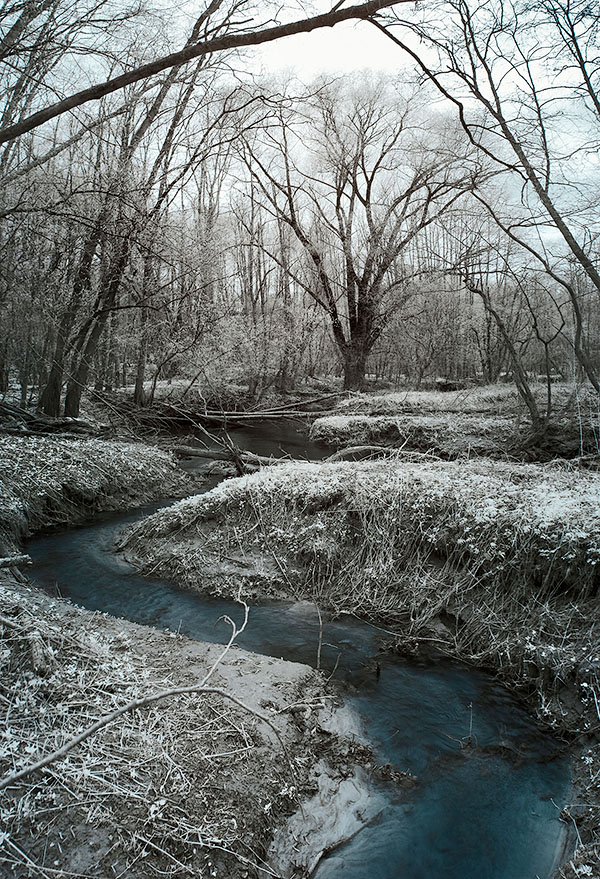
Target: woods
(371, 294)
(231, 229)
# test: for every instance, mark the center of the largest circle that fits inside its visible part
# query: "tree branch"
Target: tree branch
(218, 44)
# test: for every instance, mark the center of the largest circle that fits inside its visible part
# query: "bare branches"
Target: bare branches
(144, 702)
(357, 182)
(209, 46)
(498, 60)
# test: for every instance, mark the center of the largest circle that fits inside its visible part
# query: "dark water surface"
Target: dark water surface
(489, 811)
(280, 438)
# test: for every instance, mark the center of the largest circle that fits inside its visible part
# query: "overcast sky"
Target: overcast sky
(347, 47)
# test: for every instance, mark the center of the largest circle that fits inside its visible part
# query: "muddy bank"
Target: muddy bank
(195, 781)
(493, 563)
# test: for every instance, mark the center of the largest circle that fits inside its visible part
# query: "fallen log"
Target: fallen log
(21, 421)
(230, 419)
(14, 561)
(226, 455)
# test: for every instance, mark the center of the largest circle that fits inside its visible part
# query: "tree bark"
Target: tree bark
(355, 361)
(87, 347)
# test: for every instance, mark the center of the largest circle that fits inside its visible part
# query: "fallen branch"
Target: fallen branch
(168, 410)
(190, 52)
(361, 452)
(14, 561)
(107, 719)
(132, 706)
(226, 455)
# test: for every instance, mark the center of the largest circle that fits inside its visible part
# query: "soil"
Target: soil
(193, 784)
(220, 780)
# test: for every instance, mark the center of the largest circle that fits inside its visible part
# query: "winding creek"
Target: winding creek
(490, 811)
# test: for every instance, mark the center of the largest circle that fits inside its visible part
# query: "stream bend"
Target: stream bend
(490, 811)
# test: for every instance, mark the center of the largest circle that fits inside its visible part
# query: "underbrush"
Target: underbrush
(46, 481)
(491, 421)
(520, 528)
(447, 435)
(499, 562)
(498, 399)
(172, 788)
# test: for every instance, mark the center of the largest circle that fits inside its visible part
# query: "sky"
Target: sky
(345, 48)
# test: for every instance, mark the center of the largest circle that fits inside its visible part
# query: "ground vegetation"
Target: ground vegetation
(126, 749)
(496, 563)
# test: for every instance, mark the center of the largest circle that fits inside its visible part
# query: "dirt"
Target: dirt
(194, 783)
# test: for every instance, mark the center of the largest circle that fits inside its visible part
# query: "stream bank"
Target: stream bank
(195, 783)
(576, 865)
(415, 712)
(64, 666)
(493, 562)
(49, 480)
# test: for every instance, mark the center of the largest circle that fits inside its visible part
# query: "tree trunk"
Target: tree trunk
(355, 361)
(50, 397)
(87, 344)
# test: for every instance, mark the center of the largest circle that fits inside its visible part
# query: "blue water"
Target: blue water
(485, 811)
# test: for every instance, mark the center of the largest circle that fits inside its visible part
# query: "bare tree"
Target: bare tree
(223, 34)
(524, 80)
(357, 180)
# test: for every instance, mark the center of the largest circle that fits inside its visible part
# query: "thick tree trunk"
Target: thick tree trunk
(355, 361)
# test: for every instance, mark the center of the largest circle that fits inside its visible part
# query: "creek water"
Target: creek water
(488, 811)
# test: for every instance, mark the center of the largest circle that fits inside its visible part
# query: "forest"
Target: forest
(299, 439)
(236, 230)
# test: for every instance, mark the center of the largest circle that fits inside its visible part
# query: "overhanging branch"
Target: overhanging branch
(189, 53)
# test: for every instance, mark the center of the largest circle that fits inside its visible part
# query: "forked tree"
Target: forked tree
(357, 175)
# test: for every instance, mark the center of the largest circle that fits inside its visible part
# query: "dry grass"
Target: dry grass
(175, 789)
(445, 434)
(490, 421)
(506, 555)
(367, 526)
(46, 481)
(500, 400)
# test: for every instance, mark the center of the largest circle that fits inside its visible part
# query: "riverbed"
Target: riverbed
(489, 783)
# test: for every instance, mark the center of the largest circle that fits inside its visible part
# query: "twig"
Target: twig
(320, 636)
(145, 841)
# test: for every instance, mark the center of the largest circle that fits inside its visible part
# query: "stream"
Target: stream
(489, 811)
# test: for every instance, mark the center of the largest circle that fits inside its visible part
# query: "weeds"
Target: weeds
(487, 421)
(166, 788)
(506, 554)
(46, 481)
